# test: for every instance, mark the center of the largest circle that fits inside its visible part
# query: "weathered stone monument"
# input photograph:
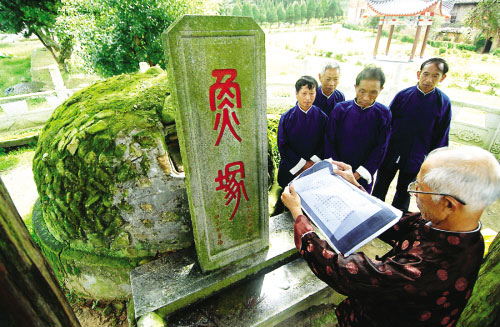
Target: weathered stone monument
(111, 184)
(217, 71)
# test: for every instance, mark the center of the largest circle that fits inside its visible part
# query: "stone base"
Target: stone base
(164, 290)
(265, 300)
(88, 275)
(175, 281)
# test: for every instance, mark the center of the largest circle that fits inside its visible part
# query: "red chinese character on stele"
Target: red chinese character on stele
(227, 99)
(229, 183)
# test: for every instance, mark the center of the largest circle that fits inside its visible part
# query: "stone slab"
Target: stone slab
(175, 281)
(217, 69)
(264, 300)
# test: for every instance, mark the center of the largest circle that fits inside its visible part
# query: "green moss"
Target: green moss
(81, 155)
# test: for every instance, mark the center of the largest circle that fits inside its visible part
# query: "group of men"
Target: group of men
(428, 276)
(362, 132)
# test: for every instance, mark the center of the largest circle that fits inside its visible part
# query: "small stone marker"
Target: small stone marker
(217, 65)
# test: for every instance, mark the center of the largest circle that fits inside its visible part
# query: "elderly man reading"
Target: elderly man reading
(428, 275)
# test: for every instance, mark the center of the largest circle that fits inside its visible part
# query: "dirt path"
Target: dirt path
(22, 189)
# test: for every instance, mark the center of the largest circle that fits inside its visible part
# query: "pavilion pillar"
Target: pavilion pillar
(379, 33)
(415, 42)
(426, 37)
(389, 40)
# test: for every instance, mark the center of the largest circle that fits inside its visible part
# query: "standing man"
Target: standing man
(427, 277)
(358, 130)
(421, 117)
(300, 132)
(327, 95)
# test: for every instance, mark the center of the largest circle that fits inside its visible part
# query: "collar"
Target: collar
(479, 225)
(298, 106)
(424, 92)
(360, 106)
(327, 96)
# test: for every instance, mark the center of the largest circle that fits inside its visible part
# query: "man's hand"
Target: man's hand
(291, 200)
(345, 171)
(357, 176)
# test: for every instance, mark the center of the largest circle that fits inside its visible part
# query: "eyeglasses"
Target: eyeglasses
(412, 188)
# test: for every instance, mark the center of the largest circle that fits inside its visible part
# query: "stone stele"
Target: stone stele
(217, 74)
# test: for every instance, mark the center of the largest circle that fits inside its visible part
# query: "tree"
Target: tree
(280, 11)
(290, 14)
(303, 10)
(36, 18)
(485, 17)
(271, 15)
(310, 9)
(237, 10)
(246, 9)
(115, 35)
(298, 12)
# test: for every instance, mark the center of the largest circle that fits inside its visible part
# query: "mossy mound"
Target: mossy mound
(107, 181)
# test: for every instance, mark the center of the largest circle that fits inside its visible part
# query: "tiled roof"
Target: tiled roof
(411, 8)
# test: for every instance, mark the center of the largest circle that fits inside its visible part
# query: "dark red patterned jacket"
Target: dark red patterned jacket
(425, 280)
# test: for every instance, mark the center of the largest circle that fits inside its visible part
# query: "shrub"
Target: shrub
(407, 39)
(339, 57)
(442, 50)
(496, 52)
(328, 54)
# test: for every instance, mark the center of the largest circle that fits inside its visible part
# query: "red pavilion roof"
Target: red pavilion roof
(410, 7)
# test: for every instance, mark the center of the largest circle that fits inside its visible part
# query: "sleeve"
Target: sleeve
(291, 160)
(357, 274)
(377, 155)
(440, 135)
(329, 144)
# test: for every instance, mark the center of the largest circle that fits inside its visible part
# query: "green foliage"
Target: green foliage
(463, 46)
(407, 39)
(442, 50)
(485, 17)
(272, 135)
(237, 10)
(15, 69)
(36, 18)
(10, 159)
(496, 52)
(115, 35)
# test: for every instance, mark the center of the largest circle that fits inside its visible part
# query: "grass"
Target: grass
(16, 69)
(14, 158)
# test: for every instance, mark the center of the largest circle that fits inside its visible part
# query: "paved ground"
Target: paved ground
(22, 189)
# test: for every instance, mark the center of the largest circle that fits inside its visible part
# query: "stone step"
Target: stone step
(175, 281)
(264, 300)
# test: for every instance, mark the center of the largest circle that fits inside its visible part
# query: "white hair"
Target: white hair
(466, 172)
(330, 65)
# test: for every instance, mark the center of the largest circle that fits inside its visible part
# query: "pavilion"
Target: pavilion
(392, 11)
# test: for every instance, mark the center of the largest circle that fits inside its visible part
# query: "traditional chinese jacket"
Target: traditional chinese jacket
(326, 104)
(358, 137)
(420, 124)
(300, 139)
(425, 280)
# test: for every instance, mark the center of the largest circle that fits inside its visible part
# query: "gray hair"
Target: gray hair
(330, 65)
(470, 173)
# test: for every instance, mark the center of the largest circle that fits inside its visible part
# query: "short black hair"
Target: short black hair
(371, 73)
(306, 80)
(440, 63)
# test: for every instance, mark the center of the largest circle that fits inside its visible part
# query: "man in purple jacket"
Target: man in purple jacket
(358, 130)
(327, 95)
(421, 118)
(300, 132)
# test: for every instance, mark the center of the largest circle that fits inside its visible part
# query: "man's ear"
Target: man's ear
(442, 78)
(319, 76)
(418, 74)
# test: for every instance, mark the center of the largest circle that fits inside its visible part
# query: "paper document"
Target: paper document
(347, 216)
